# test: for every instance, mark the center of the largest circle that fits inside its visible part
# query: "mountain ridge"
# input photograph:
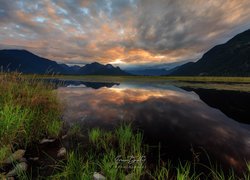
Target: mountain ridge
(229, 59)
(29, 63)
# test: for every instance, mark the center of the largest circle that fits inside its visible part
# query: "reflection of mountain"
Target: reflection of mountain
(98, 85)
(233, 103)
(173, 117)
(68, 83)
(229, 59)
(26, 62)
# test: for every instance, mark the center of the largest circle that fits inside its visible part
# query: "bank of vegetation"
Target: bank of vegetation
(30, 111)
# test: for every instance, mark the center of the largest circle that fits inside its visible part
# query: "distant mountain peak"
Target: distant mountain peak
(96, 68)
(109, 65)
(94, 63)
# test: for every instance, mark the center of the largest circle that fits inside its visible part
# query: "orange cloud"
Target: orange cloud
(126, 32)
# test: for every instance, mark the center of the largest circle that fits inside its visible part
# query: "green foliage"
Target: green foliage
(124, 134)
(161, 172)
(75, 130)
(211, 82)
(83, 164)
(247, 173)
(29, 110)
(54, 128)
(95, 136)
(5, 151)
(76, 167)
(183, 171)
(108, 165)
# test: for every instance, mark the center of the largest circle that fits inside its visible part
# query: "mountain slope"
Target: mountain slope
(229, 59)
(100, 69)
(149, 72)
(26, 62)
(29, 63)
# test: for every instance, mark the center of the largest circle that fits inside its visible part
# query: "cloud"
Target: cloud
(124, 31)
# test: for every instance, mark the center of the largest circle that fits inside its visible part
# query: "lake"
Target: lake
(186, 123)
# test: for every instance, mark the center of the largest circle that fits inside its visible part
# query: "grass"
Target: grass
(29, 110)
(4, 152)
(101, 156)
(108, 160)
(209, 82)
(161, 172)
(100, 78)
(124, 135)
(95, 137)
(75, 130)
(108, 165)
(73, 169)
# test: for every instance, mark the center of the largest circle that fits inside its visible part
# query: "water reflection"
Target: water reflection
(166, 114)
(73, 83)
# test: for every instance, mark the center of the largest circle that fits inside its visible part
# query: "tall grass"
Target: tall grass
(29, 110)
(124, 134)
(108, 165)
(95, 137)
(101, 156)
(106, 146)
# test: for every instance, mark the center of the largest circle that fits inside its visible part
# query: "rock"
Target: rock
(23, 160)
(2, 176)
(47, 141)
(64, 136)
(10, 178)
(16, 156)
(19, 168)
(129, 177)
(34, 158)
(98, 176)
(62, 152)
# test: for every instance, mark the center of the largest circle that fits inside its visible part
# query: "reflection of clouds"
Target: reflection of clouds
(165, 115)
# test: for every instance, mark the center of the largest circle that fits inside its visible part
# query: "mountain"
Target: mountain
(29, 63)
(100, 69)
(149, 72)
(229, 59)
(70, 69)
(26, 62)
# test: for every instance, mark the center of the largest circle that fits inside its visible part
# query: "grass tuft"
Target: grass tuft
(29, 111)
(94, 136)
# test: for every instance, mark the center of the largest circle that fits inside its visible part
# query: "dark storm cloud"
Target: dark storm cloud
(120, 31)
(188, 24)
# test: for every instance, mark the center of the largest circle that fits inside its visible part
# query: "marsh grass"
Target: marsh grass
(98, 78)
(123, 142)
(75, 130)
(95, 137)
(183, 172)
(219, 83)
(247, 174)
(29, 110)
(4, 152)
(124, 135)
(108, 165)
(161, 172)
(78, 167)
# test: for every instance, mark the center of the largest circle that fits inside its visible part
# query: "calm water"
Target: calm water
(176, 118)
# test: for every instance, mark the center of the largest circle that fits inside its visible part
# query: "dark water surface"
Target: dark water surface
(176, 118)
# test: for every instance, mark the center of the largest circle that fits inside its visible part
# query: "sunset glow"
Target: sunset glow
(121, 32)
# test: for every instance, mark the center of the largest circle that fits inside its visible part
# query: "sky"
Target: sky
(121, 32)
